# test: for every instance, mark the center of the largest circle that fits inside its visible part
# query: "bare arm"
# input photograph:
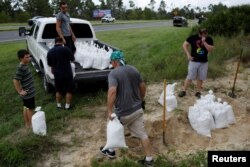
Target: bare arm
(142, 90)
(18, 88)
(73, 35)
(185, 47)
(111, 100)
(207, 46)
(59, 30)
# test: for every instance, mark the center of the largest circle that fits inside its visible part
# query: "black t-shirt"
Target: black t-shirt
(198, 50)
(59, 58)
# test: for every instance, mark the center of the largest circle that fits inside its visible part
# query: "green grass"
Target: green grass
(156, 52)
(195, 160)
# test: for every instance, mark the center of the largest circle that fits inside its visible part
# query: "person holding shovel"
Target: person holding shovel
(126, 92)
(201, 44)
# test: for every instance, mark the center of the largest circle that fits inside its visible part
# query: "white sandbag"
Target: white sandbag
(105, 62)
(220, 116)
(90, 55)
(86, 61)
(230, 114)
(97, 62)
(200, 121)
(210, 97)
(170, 89)
(115, 134)
(171, 101)
(39, 122)
(205, 103)
(212, 123)
(106, 59)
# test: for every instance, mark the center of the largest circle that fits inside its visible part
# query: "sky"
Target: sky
(181, 3)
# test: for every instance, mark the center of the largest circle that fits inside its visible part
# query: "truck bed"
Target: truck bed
(90, 74)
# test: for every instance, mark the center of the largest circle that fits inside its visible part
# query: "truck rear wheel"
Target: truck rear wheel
(46, 85)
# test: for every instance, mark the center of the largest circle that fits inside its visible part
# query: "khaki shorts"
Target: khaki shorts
(135, 124)
(197, 70)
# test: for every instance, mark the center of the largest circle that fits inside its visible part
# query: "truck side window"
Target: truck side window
(82, 30)
(36, 31)
(49, 31)
(32, 29)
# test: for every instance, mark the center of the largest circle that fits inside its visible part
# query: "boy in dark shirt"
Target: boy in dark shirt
(24, 85)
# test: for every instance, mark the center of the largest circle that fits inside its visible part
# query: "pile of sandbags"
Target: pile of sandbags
(208, 114)
(89, 55)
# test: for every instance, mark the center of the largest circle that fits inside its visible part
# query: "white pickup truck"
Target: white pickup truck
(40, 38)
(107, 19)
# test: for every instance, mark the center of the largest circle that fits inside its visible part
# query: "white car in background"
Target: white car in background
(108, 19)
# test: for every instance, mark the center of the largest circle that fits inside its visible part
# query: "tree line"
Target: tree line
(22, 10)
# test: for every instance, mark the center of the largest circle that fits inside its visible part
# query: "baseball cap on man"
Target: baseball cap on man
(118, 55)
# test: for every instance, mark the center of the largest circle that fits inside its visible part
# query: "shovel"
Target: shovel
(232, 94)
(164, 114)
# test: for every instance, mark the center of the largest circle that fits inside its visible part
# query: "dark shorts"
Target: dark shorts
(70, 44)
(64, 85)
(29, 103)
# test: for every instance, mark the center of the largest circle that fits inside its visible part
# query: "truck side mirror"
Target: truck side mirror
(22, 30)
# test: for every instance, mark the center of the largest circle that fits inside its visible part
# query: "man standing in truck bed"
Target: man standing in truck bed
(63, 27)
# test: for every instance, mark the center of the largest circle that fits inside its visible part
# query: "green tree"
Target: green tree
(149, 14)
(131, 4)
(4, 17)
(75, 7)
(152, 4)
(88, 8)
(162, 10)
(217, 8)
(55, 6)
(115, 6)
(6, 8)
(38, 8)
(103, 5)
(22, 17)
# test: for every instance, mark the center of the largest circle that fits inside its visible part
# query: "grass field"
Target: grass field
(156, 52)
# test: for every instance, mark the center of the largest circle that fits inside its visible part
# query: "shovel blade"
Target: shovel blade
(232, 95)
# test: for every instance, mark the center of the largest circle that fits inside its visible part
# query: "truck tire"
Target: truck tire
(46, 85)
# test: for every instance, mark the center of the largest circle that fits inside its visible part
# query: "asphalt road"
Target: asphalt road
(6, 36)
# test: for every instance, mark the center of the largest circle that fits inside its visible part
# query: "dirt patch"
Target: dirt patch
(83, 137)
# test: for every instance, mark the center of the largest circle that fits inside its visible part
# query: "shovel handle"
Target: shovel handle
(237, 69)
(164, 111)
